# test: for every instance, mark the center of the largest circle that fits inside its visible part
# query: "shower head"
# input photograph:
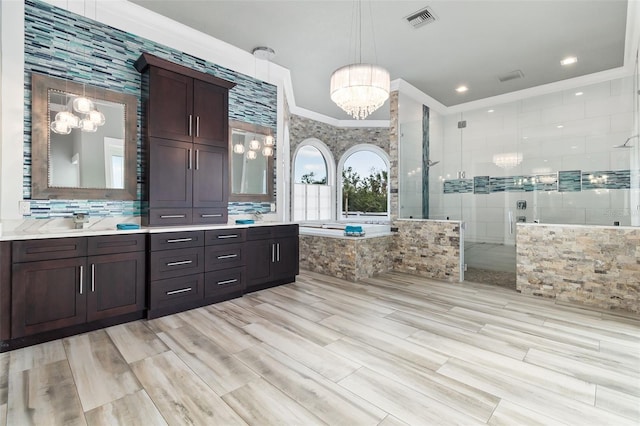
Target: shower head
(625, 144)
(432, 163)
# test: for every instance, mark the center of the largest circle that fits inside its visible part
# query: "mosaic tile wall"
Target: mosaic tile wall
(565, 181)
(66, 45)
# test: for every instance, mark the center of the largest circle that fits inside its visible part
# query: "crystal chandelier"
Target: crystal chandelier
(360, 89)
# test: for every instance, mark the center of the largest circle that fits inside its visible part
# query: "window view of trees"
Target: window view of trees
(310, 179)
(364, 193)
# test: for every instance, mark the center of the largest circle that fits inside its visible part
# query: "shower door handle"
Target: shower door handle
(510, 222)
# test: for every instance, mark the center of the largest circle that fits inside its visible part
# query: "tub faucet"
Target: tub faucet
(257, 215)
(79, 219)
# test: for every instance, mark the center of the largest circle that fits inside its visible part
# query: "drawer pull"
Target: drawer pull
(224, 237)
(181, 262)
(172, 216)
(182, 290)
(211, 215)
(180, 240)
(227, 281)
(227, 256)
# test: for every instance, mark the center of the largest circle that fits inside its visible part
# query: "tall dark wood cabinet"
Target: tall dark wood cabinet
(186, 135)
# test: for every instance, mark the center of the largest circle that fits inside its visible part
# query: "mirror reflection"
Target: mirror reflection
(83, 141)
(251, 162)
(85, 152)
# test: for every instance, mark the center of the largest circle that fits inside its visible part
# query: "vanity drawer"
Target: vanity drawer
(175, 263)
(109, 244)
(211, 215)
(223, 256)
(225, 236)
(176, 291)
(161, 217)
(48, 249)
(225, 282)
(176, 240)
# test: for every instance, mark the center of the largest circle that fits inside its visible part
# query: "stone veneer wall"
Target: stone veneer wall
(351, 259)
(394, 155)
(337, 139)
(428, 248)
(588, 265)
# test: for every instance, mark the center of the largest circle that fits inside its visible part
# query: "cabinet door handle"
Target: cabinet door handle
(211, 215)
(278, 248)
(227, 256)
(182, 290)
(180, 240)
(273, 253)
(189, 165)
(81, 278)
(93, 277)
(180, 262)
(197, 159)
(172, 216)
(222, 237)
(190, 124)
(197, 126)
(228, 281)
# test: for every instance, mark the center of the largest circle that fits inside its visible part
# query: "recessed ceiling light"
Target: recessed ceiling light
(461, 89)
(579, 93)
(491, 110)
(559, 126)
(525, 137)
(569, 60)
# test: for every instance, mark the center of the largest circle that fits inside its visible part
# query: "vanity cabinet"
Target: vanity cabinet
(186, 135)
(194, 268)
(63, 282)
(274, 254)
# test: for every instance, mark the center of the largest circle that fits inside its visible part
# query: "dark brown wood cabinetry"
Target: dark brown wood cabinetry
(273, 251)
(61, 283)
(186, 135)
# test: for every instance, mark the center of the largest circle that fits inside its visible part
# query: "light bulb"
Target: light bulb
(60, 127)
(268, 140)
(72, 120)
(251, 155)
(267, 151)
(238, 148)
(97, 117)
(82, 105)
(254, 144)
(87, 125)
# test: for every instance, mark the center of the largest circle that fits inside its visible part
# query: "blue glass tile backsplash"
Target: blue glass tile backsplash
(70, 46)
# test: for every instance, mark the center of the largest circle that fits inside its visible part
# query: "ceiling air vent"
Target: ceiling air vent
(513, 75)
(421, 17)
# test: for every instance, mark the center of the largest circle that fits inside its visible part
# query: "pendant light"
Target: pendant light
(360, 89)
(238, 148)
(254, 144)
(251, 155)
(267, 151)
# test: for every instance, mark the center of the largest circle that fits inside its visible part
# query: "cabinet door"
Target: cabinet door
(286, 258)
(116, 285)
(170, 173)
(210, 177)
(259, 255)
(48, 295)
(210, 104)
(170, 105)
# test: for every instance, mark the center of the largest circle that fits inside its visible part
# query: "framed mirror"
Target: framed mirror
(251, 150)
(84, 141)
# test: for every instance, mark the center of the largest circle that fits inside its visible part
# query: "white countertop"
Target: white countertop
(57, 229)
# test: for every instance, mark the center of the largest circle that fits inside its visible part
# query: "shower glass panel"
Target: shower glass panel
(410, 170)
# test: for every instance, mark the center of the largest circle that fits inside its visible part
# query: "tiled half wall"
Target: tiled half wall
(69, 46)
(588, 265)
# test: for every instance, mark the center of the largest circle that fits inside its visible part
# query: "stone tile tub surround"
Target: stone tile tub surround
(349, 258)
(428, 248)
(595, 266)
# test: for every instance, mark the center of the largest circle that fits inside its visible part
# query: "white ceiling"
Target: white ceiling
(472, 42)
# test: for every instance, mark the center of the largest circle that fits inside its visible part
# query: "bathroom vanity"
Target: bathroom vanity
(57, 285)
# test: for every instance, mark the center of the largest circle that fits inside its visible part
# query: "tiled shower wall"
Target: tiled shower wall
(564, 134)
(66, 45)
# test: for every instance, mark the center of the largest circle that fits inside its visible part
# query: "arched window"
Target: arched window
(364, 183)
(313, 182)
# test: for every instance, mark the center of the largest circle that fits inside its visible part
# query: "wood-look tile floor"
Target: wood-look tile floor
(391, 350)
